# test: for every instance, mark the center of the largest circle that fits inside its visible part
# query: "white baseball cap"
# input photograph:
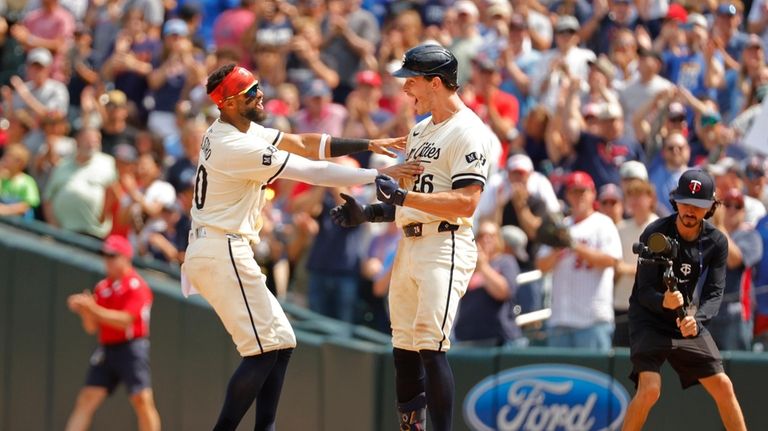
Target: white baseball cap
(633, 169)
(40, 56)
(519, 162)
(516, 240)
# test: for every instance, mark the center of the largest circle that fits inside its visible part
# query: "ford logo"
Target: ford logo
(546, 397)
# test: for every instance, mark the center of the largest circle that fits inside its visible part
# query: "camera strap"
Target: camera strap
(694, 305)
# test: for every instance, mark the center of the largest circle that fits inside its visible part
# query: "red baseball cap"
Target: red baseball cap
(734, 194)
(580, 180)
(677, 13)
(116, 245)
(368, 77)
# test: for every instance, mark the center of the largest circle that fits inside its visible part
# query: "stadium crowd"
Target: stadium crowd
(598, 106)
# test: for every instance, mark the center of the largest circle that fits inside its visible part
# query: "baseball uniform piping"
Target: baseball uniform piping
(242, 290)
(450, 284)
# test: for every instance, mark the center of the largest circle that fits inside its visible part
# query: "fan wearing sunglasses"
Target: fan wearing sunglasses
(238, 159)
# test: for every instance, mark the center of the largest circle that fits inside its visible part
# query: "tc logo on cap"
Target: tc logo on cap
(694, 186)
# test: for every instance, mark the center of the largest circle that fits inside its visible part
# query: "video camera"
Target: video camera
(661, 250)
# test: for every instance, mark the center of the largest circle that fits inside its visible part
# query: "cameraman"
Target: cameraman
(656, 334)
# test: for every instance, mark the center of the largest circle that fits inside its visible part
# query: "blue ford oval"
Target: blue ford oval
(546, 397)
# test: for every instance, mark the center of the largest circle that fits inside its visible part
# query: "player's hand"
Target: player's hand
(383, 146)
(688, 326)
(403, 170)
(349, 214)
(673, 300)
(389, 191)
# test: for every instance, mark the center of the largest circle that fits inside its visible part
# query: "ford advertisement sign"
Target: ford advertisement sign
(546, 397)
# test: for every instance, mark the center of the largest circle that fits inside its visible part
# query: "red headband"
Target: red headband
(237, 81)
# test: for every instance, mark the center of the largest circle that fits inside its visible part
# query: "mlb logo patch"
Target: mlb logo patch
(266, 159)
(471, 157)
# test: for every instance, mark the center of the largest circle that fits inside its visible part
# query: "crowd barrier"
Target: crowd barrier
(340, 376)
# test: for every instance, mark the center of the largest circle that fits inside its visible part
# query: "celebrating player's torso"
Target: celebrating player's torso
(451, 152)
(233, 170)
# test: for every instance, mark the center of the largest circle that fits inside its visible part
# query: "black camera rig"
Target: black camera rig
(661, 250)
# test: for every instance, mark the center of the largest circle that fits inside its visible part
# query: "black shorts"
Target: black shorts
(125, 362)
(692, 358)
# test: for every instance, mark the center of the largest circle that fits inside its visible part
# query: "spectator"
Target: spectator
(610, 201)
(757, 21)
(607, 19)
(404, 31)
(731, 328)
(182, 172)
(761, 289)
(230, 27)
(130, 62)
(150, 195)
(640, 200)
(376, 266)
(539, 25)
(497, 108)
(675, 153)
(11, 53)
(624, 56)
(38, 96)
(350, 35)
(306, 61)
(119, 310)
(175, 70)
(530, 295)
(582, 276)
(731, 43)
(114, 125)
(486, 313)
(755, 180)
(319, 112)
(518, 61)
(81, 70)
(50, 27)
(366, 118)
(117, 202)
(152, 11)
(74, 196)
(18, 191)
(56, 146)
(644, 88)
(600, 82)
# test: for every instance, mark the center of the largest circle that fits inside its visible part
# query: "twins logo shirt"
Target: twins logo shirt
(453, 153)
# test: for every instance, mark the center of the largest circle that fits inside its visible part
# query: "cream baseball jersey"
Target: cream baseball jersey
(233, 171)
(451, 152)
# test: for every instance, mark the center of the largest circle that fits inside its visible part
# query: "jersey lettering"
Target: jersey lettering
(206, 147)
(201, 187)
(427, 150)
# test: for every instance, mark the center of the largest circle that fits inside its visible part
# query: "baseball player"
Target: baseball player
(435, 260)
(238, 159)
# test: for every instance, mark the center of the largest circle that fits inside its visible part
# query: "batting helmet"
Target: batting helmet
(430, 60)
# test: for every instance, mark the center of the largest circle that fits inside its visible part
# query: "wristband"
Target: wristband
(321, 150)
(378, 213)
(344, 146)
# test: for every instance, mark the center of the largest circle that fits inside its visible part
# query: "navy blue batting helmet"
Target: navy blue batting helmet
(430, 60)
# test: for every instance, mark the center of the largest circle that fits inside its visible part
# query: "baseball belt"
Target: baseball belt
(419, 229)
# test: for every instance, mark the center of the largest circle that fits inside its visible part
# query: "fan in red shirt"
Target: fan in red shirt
(118, 309)
(498, 109)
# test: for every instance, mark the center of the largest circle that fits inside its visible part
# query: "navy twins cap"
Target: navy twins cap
(695, 187)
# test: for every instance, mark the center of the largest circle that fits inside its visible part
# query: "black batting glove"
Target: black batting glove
(389, 191)
(349, 214)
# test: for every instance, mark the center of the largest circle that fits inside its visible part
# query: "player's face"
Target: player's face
(420, 90)
(250, 104)
(690, 216)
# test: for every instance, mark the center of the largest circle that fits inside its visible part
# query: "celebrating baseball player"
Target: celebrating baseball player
(436, 259)
(238, 159)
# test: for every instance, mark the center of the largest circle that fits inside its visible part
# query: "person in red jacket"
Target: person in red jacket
(118, 309)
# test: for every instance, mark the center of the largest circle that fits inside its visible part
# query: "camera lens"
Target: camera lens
(659, 244)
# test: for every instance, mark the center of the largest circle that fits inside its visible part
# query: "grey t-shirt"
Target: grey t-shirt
(635, 95)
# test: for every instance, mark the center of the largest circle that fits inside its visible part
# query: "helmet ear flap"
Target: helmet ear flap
(715, 205)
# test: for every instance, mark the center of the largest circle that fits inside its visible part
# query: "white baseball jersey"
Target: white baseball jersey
(451, 152)
(229, 194)
(582, 295)
(234, 167)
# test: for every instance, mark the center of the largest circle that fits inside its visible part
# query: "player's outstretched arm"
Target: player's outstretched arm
(318, 146)
(323, 173)
(352, 213)
(460, 202)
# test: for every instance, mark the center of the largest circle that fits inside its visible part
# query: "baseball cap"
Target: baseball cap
(566, 23)
(175, 26)
(726, 9)
(368, 77)
(116, 245)
(467, 7)
(645, 52)
(603, 65)
(519, 162)
(610, 111)
(125, 153)
(632, 169)
(317, 88)
(710, 118)
(484, 62)
(695, 187)
(503, 9)
(696, 19)
(676, 110)
(40, 56)
(516, 240)
(676, 12)
(114, 97)
(610, 191)
(579, 180)
(591, 110)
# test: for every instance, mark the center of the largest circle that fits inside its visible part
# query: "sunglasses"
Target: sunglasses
(733, 205)
(250, 92)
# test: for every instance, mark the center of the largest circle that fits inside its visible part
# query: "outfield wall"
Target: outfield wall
(340, 376)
